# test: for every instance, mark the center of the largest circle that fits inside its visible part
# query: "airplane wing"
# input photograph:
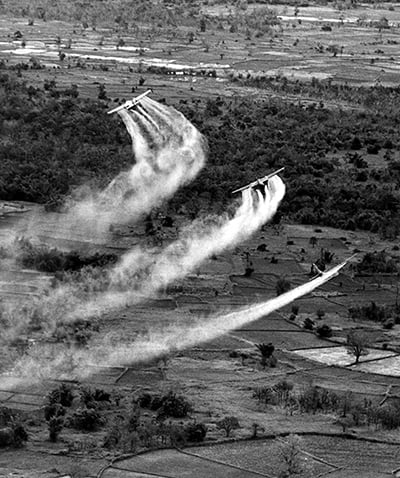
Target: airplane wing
(130, 103)
(258, 181)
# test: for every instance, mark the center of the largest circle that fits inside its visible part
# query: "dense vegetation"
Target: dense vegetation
(326, 183)
(49, 144)
(313, 399)
(46, 259)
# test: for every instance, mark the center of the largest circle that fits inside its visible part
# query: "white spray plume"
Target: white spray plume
(169, 152)
(47, 361)
(145, 273)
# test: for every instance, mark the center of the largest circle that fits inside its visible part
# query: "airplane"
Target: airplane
(259, 183)
(130, 103)
(319, 273)
(316, 270)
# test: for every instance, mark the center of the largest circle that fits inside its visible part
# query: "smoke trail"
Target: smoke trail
(49, 361)
(144, 273)
(169, 152)
(203, 330)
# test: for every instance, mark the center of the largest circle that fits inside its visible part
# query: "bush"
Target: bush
(196, 432)
(389, 417)
(313, 399)
(324, 331)
(295, 309)
(53, 410)
(90, 397)
(388, 324)
(62, 395)
(19, 435)
(6, 416)
(174, 406)
(55, 425)
(47, 259)
(320, 313)
(86, 419)
(145, 400)
(308, 324)
(169, 405)
(282, 286)
(14, 435)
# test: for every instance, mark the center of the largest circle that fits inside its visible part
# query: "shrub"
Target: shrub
(295, 309)
(389, 417)
(86, 419)
(320, 313)
(6, 416)
(175, 406)
(196, 432)
(282, 286)
(90, 397)
(53, 410)
(308, 324)
(62, 395)
(266, 395)
(324, 331)
(373, 262)
(169, 405)
(313, 399)
(19, 435)
(55, 425)
(388, 324)
(144, 400)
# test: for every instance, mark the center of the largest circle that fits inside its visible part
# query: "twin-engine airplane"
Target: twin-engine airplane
(130, 103)
(260, 183)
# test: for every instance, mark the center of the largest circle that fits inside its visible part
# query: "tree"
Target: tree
(289, 451)
(55, 425)
(313, 241)
(320, 313)
(266, 351)
(228, 424)
(120, 43)
(308, 323)
(282, 286)
(102, 92)
(324, 331)
(357, 345)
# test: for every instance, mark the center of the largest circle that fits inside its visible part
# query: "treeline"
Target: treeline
(46, 259)
(125, 13)
(51, 144)
(379, 98)
(250, 138)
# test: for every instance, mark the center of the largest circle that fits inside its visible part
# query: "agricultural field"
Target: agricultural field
(135, 387)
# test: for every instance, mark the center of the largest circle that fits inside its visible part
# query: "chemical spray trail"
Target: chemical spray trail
(141, 274)
(169, 152)
(47, 361)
